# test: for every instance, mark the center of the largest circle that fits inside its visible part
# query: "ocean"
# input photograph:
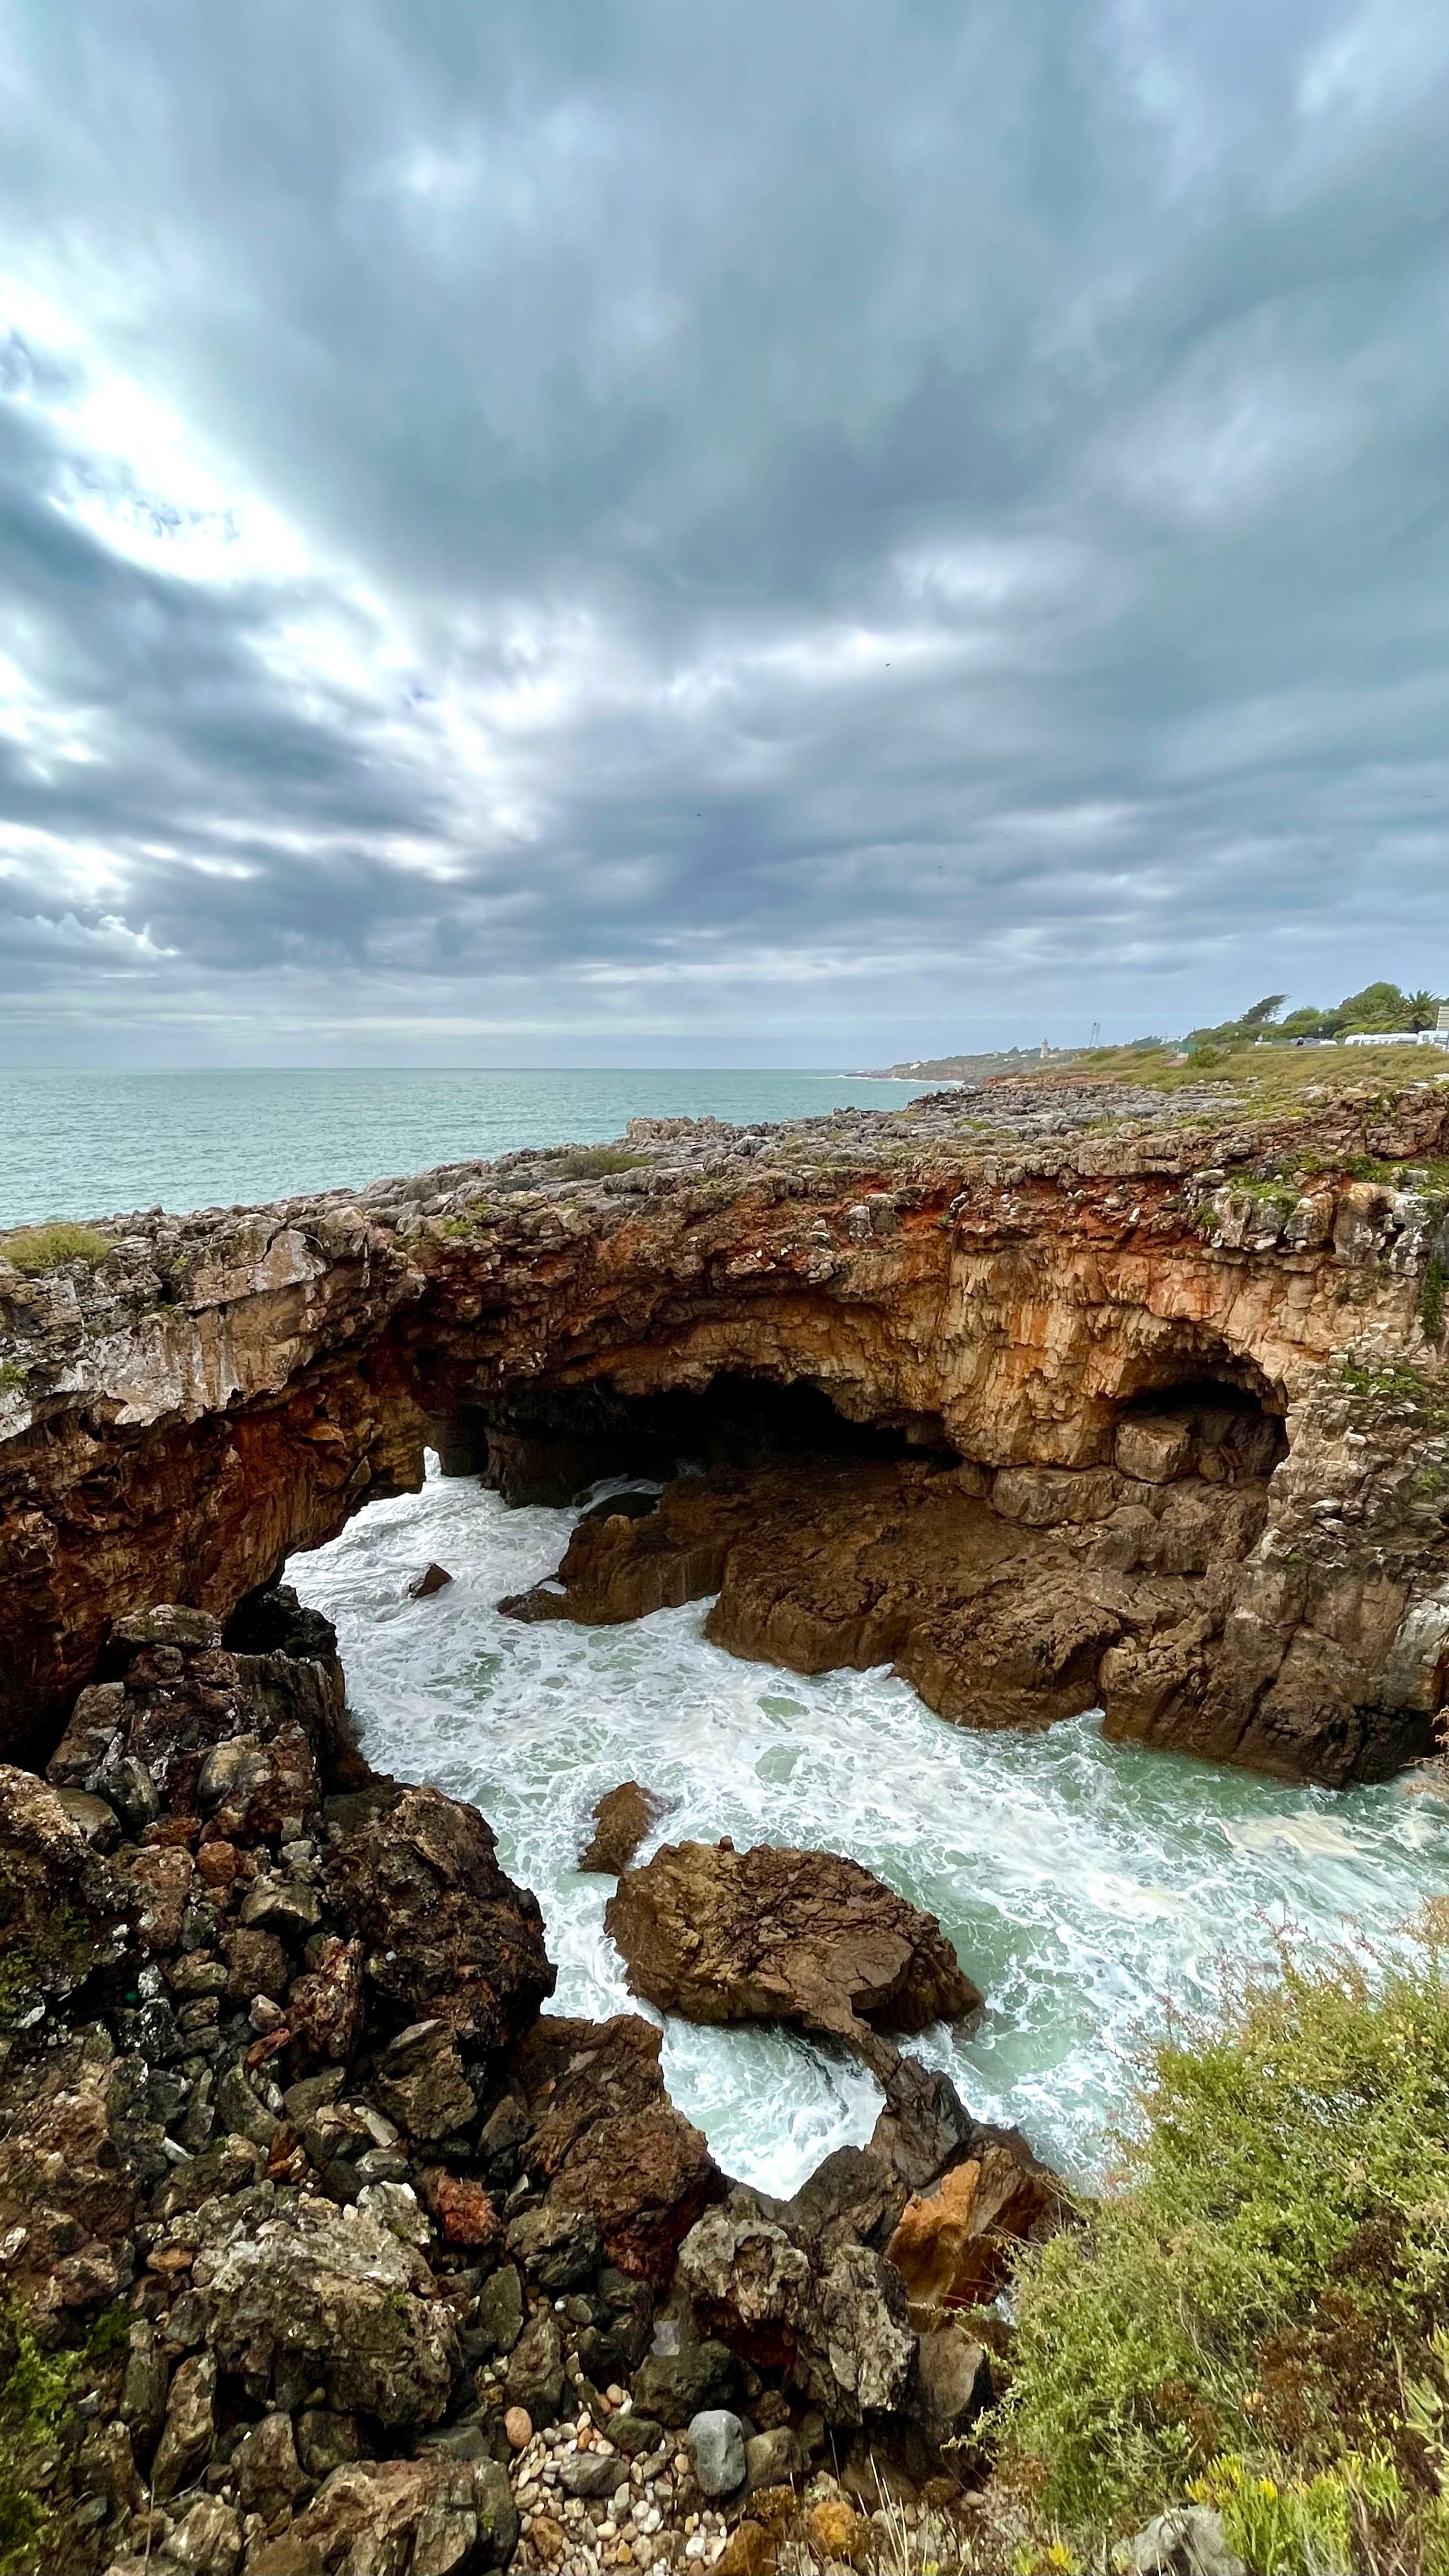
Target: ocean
(98, 1144)
(1090, 1888)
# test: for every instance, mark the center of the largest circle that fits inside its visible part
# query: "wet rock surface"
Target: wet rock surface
(778, 1935)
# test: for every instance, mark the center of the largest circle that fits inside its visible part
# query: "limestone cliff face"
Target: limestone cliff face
(983, 1274)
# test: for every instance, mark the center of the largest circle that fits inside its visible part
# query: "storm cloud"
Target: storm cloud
(604, 530)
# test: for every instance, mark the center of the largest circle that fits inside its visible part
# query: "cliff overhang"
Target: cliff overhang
(998, 1283)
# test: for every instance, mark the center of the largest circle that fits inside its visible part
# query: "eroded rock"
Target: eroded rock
(780, 1935)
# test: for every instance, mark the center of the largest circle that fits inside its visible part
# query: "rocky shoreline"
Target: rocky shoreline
(348, 2256)
(325, 2249)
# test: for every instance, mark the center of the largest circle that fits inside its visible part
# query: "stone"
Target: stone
(772, 2459)
(463, 2209)
(1189, 2540)
(748, 2283)
(168, 1624)
(336, 2300)
(684, 2373)
(269, 2475)
(143, 2385)
(558, 2247)
(592, 2473)
(190, 2426)
(433, 2515)
(534, 2378)
(257, 1964)
(420, 2082)
(434, 1578)
(91, 1730)
(241, 2111)
(517, 2427)
(500, 2309)
(623, 1818)
(637, 2436)
(717, 2451)
(325, 2006)
(954, 2246)
(62, 1906)
(160, 1881)
(953, 2381)
(325, 2441)
(94, 1819)
(287, 1906)
(1155, 1448)
(854, 2352)
(781, 1935)
(445, 1935)
(205, 2541)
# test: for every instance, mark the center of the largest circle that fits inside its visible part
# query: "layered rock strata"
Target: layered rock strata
(995, 1277)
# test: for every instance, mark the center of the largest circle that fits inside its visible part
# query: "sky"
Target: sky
(692, 531)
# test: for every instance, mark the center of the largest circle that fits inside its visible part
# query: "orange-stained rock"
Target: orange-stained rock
(463, 2209)
(954, 2246)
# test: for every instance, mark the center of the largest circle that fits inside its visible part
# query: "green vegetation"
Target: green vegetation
(1431, 1299)
(1253, 2315)
(590, 1163)
(34, 2395)
(1378, 1006)
(34, 1248)
(12, 1376)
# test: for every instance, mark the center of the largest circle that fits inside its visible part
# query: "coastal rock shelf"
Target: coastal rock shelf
(1041, 1292)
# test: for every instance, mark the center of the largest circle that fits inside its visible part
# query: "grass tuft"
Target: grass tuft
(37, 1248)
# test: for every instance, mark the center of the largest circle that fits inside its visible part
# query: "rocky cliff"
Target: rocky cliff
(1188, 1355)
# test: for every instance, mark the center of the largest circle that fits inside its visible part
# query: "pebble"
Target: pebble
(518, 2428)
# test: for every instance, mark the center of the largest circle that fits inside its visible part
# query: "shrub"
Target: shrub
(591, 1162)
(35, 1248)
(1252, 2310)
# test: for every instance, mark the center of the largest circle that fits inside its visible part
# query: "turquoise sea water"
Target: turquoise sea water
(1088, 1887)
(94, 1144)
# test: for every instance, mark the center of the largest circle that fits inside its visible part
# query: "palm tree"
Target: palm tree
(1423, 1010)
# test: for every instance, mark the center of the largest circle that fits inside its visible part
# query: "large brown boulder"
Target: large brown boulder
(446, 1936)
(777, 1935)
(606, 2139)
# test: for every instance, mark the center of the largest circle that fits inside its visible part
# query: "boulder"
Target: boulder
(444, 1934)
(190, 2426)
(779, 1935)
(316, 2295)
(434, 1578)
(269, 2475)
(420, 2083)
(855, 2353)
(432, 2513)
(62, 1906)
(534, 2378)
(605, 2138)
(324, 2007)
(686, 2371)
(747, 2282)
(954, 2245)
(622, 1819)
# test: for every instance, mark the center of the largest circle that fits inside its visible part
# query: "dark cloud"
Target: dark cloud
(746, 533)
